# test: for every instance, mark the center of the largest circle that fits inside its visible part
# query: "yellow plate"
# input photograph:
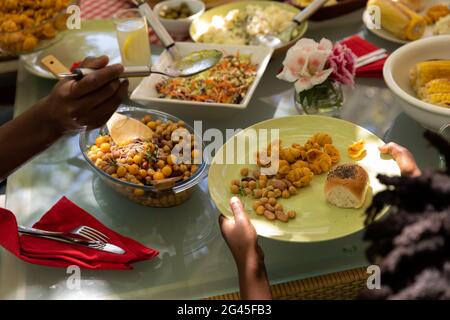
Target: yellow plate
(316, 220)
(202, 23)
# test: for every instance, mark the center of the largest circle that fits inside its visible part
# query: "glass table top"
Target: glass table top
(194, 261)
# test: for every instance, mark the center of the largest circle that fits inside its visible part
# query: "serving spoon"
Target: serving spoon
(164, 36)
(191, 64)
(274, 41)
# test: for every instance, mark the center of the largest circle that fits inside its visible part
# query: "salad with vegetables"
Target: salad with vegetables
(227, 82)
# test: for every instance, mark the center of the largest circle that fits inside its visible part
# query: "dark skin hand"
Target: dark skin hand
(241, 237)
(70, 106)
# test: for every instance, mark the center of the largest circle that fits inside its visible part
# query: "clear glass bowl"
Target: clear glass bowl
(35, 38)
(151, 196)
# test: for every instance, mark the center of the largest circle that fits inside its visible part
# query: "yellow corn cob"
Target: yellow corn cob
(424, 72)
(400, 20)
(415, 5)
(436, 91)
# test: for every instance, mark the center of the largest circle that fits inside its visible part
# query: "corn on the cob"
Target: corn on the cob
(436, 91)
(425, 71)
(400, 20)
(415, 5)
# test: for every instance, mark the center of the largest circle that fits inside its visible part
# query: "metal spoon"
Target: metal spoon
(162, 33)
(274, 41)
(189, 65)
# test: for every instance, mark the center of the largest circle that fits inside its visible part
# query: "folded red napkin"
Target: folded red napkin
(66, 216)
(360, 47)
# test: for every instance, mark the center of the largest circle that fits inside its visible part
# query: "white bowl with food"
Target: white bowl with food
(229, 84)
(402, 75)
(177, 15)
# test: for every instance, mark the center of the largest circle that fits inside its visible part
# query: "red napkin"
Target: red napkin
(360, 47)
(66, 216)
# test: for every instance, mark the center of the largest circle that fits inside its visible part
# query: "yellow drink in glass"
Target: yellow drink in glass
(132, 34)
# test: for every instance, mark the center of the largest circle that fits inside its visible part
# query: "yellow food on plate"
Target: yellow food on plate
(399, 19)
(357, 150)
(297, 166)
(434, 13)
(23, 24)
(431, 81)
(416, 5)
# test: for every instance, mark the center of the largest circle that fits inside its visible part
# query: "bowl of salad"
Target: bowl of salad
(229, 84)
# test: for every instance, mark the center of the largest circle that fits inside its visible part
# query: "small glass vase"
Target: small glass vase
(325, 99)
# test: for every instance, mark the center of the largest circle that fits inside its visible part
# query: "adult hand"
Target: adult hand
(89, 102)
(240, 235)
(403, 157)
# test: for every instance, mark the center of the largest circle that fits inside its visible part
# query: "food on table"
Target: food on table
(431, 81)
(227, 82)
(400, 20)
(436, 91)
(304, 3)
(346, 186)
(23, 24)
(416, 5)
(175, 12)
(241, 26)
(146, 161)
(434, 13)
(428, 70)
(297, 166)
(442, 26)
(357, 150)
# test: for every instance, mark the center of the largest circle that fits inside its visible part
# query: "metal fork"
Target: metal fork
(79, 233)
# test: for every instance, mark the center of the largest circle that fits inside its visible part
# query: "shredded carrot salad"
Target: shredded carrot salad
(227, 82)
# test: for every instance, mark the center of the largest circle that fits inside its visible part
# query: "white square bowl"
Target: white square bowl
(146, 93)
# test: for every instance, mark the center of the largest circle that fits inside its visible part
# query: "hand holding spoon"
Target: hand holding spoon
(189, 65)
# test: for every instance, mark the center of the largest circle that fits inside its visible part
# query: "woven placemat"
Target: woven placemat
(344, 285)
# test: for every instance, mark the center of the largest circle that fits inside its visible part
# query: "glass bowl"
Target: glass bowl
(144, 194)
(19, 32)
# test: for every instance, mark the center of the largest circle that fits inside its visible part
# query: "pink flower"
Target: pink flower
(342, 61)
(305, 63)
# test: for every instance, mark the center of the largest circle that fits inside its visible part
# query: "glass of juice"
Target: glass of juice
(132, 34)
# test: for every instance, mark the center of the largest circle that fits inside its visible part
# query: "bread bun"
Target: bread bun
(346, 186)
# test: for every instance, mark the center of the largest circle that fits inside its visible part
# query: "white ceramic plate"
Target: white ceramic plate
(146, 93)
(95, 38)
(390, 37)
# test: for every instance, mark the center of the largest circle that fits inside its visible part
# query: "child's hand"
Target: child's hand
(89, 102)
(403, 157)
(240, 235)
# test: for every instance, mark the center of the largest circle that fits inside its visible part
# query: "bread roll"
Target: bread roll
(346, 186)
